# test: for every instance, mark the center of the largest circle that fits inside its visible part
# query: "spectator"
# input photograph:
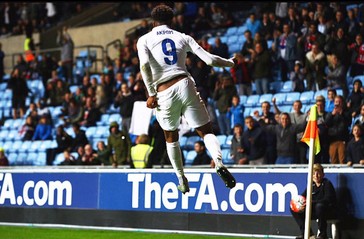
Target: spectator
(224, 92)
(355, 98)
(3, 159)
(75, 113)
(286, 136)
(331, 94)
(43, 130)
(359, 119)
(336, 75)
(338, 122)
(357, 56)
(90, 157)
(315, 64)
(297, 117)
(20, 91)
(323, 156)
(236, 112)
(65, 41)
(268, 117)
(201, 21)
(140, 153)
(91, 114)
(254, 142)
(266, 28)
(80, 139)
(80, 153)
(261, 61)
(355, 147)
(27, 130)
(241, 76)
(248, 45)
(101, 100)
(323, 203)
(64, 143)
(338, 45)
(125, 100)
(2, 56)
(286, 50)
(220, 48)
(202, 157)
(297, 76)
(237, 149)
(119, 144)
(253, 24)
(69, 159)
(103, 154)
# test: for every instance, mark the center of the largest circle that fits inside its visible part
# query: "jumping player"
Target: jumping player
(162, 53)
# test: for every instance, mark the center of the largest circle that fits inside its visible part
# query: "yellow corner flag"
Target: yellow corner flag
(311, 131)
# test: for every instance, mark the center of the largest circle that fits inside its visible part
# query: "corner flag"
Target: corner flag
(311, 131)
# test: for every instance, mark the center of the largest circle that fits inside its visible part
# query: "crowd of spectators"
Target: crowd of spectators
(315, 45)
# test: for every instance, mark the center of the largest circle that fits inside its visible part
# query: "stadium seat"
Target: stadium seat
(115, 117)
(291, 97)
(97, 76)
(320, 92)
(275, 86)
(190, 143)
(231, 40)
(265, 97)
(58, 159)
(241, 30)
(222, 139)
(252, 101)
(285, 108)
(228, 141)
(7, 145)
(12, 158)
(287, 86)
(247, 111)
(231, 31)
(190, 157)
(102, 131)
(18, 123)
(226, 158)
(35, 145)
(104, 120)
(182, 141)
(8, 124)
(13, 135)
(21, 159)
(243, 99)
(46, 144)
(90, 132)
(211, 41)
(73, 88)
(25, 146)
(307, 97)
(224, 39)
(280, 98)
(32, 157)
(16, 146)
(41, 159)
(259, 109)
(4, 134)
(234, 48)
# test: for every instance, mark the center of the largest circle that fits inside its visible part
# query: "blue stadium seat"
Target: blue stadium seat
(41, 159)
(12, 158)
(224, 39)
(291, 97)
(25, 146)
(58, 159)
(307, 97)
(13, 135)
(90, 132)
(275, 86)
(265, 97)
(231, 31)
(4, 134)
(73, 88)
(35, 145)
(56, 112)
(287, 86)
(280, 98)
(97, 76)
(190, 143)
(222, 139)
(102, 131)
(285, 108)
(46, 144)
(241, 30)
(18, 123)
(7, 145)
(115, 117)
(247, 111)
(104, 120)
(259, 109)
(21, 159)
(252, 101)
(8, 124)
(243, 99)
(228, 141)
(190, 157)
(231, 40)
(16, 146)
(32, 157)
(211, 41)
(7, 94)
(182, 141)
(234, 48)
(226, 158)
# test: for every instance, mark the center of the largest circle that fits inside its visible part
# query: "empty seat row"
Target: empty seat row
(33, 158)
(191, 154)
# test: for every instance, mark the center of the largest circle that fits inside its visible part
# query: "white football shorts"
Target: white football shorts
(180, 99)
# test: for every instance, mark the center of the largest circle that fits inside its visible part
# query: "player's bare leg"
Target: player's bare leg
(214, 147)
(175, 156)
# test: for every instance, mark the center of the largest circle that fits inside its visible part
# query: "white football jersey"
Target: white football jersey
(162, 54)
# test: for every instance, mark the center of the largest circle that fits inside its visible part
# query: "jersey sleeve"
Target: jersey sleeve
(208, 58)
(145, 69)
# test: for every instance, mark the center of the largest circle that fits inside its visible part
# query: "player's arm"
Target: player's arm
(145, 69)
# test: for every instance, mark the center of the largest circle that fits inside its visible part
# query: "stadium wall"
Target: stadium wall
(149, 199)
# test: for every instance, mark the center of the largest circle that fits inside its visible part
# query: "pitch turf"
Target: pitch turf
(19, 232)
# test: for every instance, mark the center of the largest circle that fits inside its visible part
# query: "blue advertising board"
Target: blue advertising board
(257, 192)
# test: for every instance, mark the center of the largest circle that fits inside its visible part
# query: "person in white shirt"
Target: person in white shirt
(162, 53)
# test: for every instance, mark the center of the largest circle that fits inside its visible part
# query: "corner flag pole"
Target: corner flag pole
(311, 138)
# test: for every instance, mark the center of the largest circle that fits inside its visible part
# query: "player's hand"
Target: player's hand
(152, 102)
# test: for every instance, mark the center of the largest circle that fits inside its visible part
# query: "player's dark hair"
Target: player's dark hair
(162, 13)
